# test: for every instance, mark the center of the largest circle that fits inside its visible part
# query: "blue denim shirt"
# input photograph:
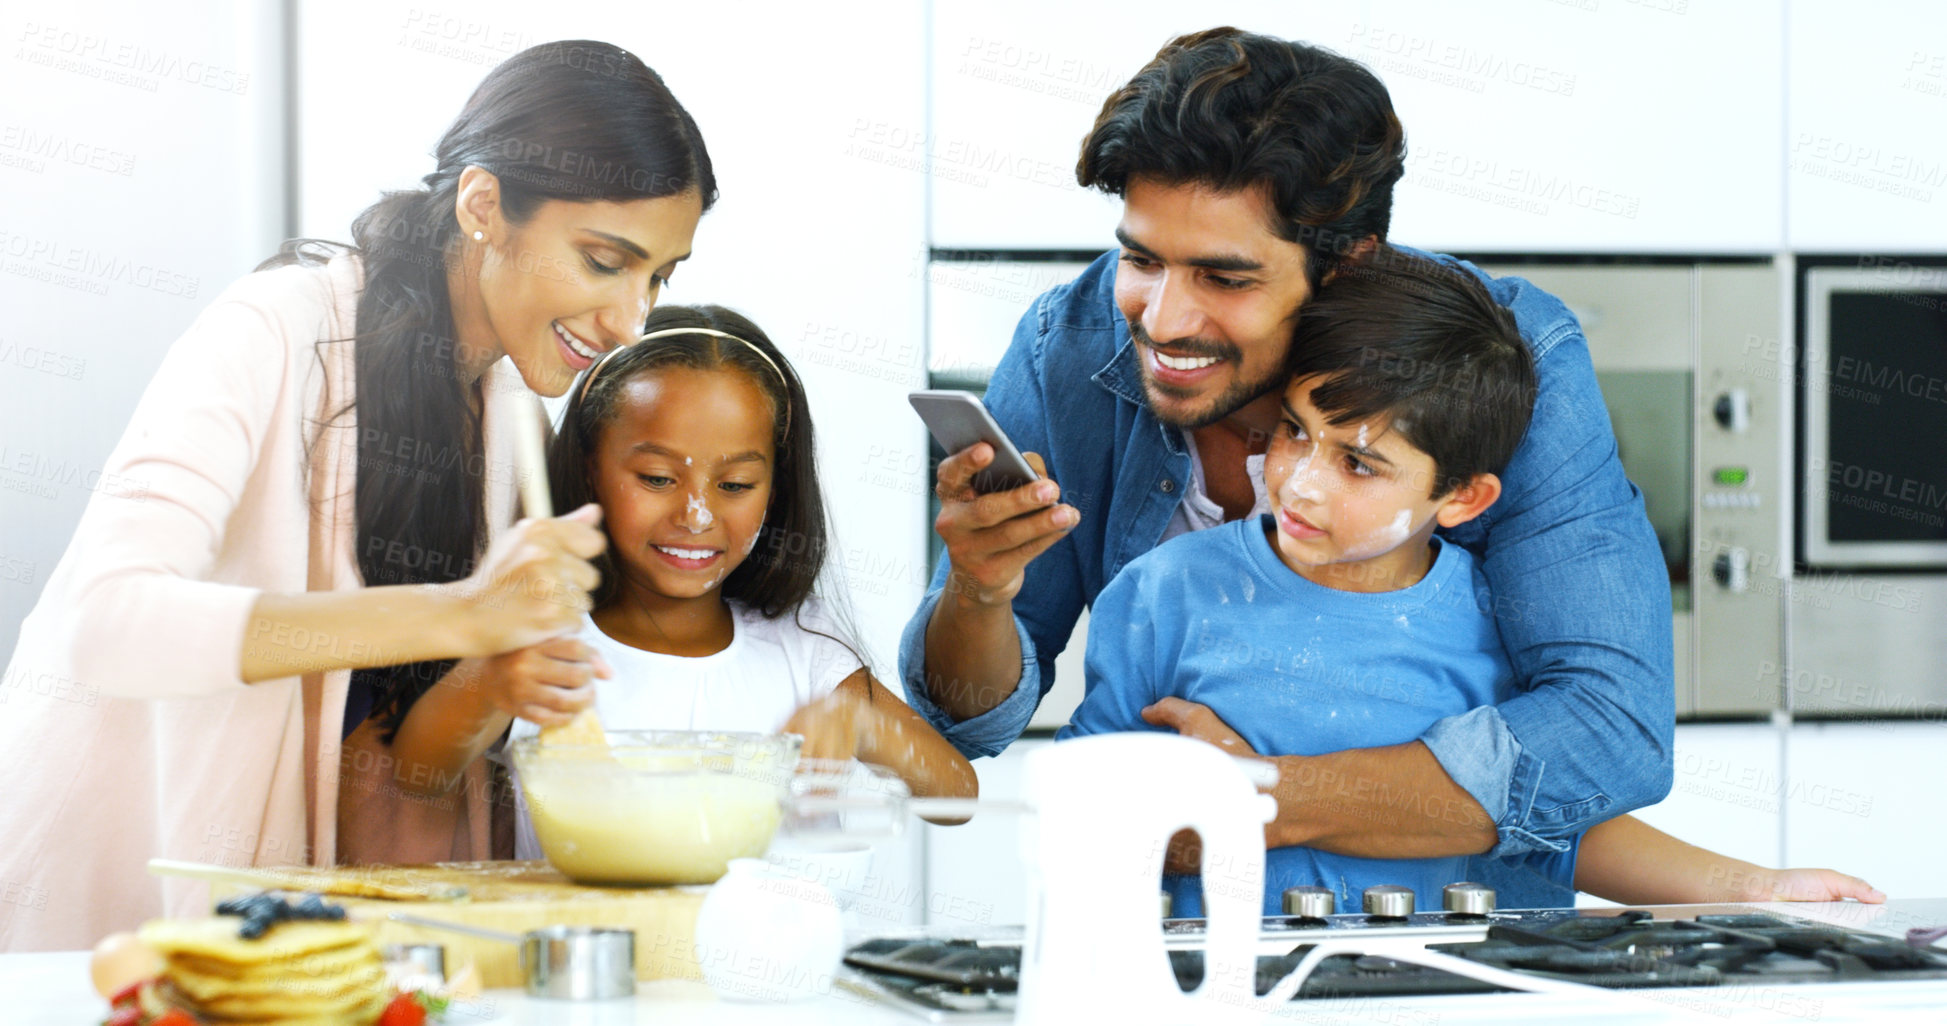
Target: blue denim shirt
(1581, 594)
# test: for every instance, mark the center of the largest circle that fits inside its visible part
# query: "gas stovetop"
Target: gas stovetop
(975, 980)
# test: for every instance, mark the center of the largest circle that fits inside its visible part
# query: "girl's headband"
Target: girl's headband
(596, 370)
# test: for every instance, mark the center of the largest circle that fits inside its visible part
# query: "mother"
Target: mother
(311, 529)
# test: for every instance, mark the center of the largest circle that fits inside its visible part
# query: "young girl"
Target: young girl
(697, 443)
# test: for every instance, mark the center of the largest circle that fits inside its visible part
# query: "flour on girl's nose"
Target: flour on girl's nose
(700, 518)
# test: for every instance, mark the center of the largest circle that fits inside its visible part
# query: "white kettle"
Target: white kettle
(1105, 808)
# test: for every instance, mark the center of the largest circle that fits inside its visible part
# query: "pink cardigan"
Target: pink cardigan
(125, 732)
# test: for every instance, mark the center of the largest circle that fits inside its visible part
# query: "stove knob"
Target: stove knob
(1387, 900)
(1468, 899)
(1309, 902)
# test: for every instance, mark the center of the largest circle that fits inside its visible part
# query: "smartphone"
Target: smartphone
(958, 420)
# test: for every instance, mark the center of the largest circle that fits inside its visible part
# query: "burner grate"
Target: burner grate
(1626, 950)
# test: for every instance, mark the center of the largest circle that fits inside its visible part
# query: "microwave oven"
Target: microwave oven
(1873, 458)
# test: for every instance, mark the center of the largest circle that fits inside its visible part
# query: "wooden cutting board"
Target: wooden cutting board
(513, 897)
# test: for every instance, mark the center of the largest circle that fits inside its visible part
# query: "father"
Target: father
(1250, 168)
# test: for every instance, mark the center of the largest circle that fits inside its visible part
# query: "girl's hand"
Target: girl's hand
(534, 581)
(546, 683)
(838, 726)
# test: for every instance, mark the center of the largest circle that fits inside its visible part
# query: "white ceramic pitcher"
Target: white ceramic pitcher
(1106, 807)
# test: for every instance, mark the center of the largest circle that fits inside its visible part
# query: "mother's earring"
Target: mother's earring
(479, 235)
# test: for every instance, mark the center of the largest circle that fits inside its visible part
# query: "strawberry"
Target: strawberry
(405, 1010)
(128, 995)
(174, 1017)
(125, 1016)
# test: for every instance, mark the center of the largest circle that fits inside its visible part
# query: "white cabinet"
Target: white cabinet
(973, 306)
(1640, 126)
(1016, 85)
(1866, 100)
(973, 871)
(1725, 793)
(1864, 798)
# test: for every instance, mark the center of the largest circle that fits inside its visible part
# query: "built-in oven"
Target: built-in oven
(1697, 387)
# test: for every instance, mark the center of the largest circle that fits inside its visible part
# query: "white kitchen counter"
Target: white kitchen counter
(53, 988)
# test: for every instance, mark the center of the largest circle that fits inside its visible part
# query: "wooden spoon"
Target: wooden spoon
(531, 466)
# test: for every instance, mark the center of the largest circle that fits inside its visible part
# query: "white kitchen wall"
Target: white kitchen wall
(140, 173)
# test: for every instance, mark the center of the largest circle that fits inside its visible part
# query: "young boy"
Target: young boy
(1340, 620)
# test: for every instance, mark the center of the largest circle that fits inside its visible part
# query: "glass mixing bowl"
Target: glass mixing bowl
(657, 806)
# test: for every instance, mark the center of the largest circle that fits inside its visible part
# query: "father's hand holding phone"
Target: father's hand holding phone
(998, 511)
(992, 537)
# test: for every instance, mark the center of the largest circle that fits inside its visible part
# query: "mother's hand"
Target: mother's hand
(534, 582)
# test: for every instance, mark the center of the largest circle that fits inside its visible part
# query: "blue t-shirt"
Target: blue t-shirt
(1297, 668)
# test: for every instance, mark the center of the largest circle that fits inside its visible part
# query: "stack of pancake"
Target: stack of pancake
(302, 973)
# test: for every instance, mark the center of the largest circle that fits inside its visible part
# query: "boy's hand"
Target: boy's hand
(546, 683)
(1821, 885)
(1192, 719)
(837, 726)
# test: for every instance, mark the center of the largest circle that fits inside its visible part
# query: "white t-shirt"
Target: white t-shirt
(769, 669)
(1199, 512)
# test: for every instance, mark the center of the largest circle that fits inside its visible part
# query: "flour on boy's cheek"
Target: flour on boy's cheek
(1381, 540)
(1396, 532)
